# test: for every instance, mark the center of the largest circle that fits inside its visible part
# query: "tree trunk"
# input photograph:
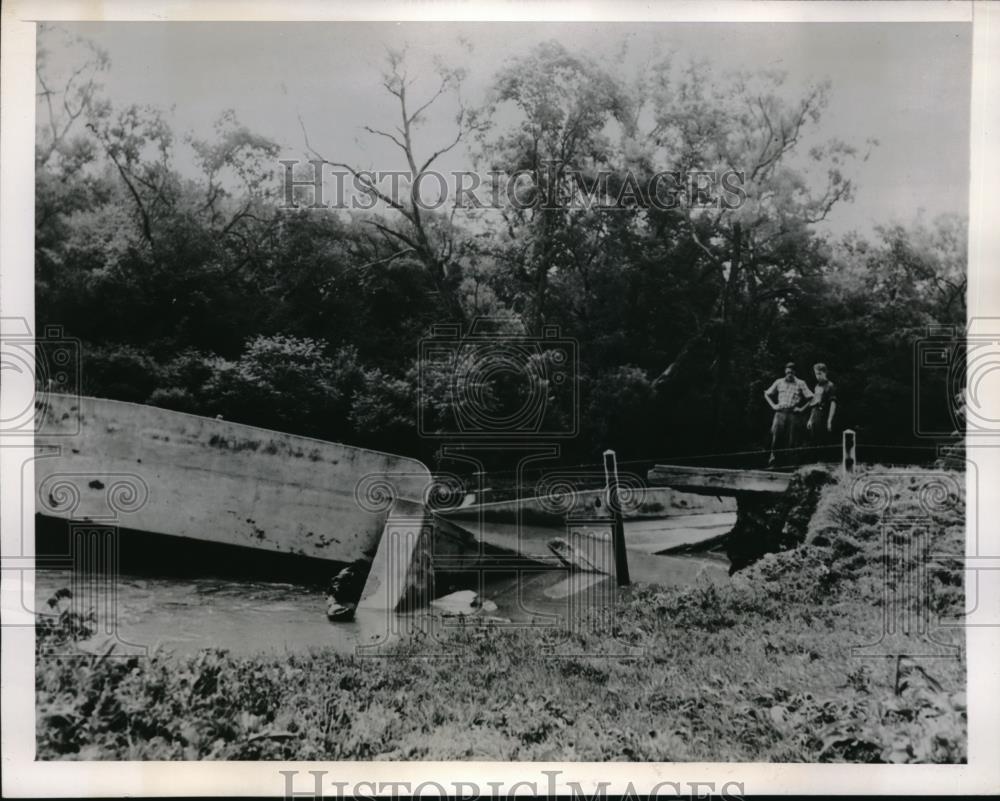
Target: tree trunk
(721, 371)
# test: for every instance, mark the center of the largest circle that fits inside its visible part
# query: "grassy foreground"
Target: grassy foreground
(759, 670)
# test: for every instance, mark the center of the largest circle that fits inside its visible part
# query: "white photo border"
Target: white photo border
(23, 776)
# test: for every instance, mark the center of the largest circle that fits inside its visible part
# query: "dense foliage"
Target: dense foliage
(193, 288)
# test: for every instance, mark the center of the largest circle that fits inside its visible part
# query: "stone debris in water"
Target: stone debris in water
(339, 612)
(464, 602)
(571, 556)
(345, 589)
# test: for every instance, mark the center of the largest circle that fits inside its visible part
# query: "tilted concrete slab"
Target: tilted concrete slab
(591, 550)
(414, 551)
(150, 469)
(548, 510)
(686, 532)
(718, 481)
(645, 536)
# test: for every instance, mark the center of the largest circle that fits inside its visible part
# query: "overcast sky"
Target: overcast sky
(905, 84)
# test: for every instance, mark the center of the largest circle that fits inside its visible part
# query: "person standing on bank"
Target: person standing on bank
(822, 408)
(784, 396)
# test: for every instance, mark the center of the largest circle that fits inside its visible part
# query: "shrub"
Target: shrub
(122, 372)
(288, 384)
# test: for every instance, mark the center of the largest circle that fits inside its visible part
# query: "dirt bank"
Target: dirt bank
(768, 524)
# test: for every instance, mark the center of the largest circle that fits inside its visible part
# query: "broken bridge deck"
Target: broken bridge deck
(719, 481)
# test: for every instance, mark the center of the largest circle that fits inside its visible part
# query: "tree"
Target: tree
(65, 181)
(423, 234)
(225, 303)
(887, 292)
(238, 170)
(173, 253)
(62, 106)
(752, 250)
(563, 105)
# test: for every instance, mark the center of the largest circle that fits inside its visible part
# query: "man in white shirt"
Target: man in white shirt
(785, 396)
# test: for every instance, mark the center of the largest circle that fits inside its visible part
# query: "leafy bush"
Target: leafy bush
(286, 383)
(123, 372)
(175, 399)
(63, 626)
(383, 412)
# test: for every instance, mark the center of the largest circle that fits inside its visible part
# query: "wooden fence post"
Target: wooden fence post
(850, 454)
(617, 521)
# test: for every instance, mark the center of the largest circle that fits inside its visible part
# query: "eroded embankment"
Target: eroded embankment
(769, 524)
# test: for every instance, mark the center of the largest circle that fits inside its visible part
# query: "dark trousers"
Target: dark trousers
(784, 434)
(826, 442)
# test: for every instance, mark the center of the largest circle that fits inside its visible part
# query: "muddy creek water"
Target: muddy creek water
(185, 600)
(185, 615)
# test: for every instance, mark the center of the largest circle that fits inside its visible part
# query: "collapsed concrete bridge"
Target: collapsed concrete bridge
(773, 508)
(145, 469)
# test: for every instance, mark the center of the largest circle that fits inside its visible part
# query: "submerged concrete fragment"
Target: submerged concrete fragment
(416, 546)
